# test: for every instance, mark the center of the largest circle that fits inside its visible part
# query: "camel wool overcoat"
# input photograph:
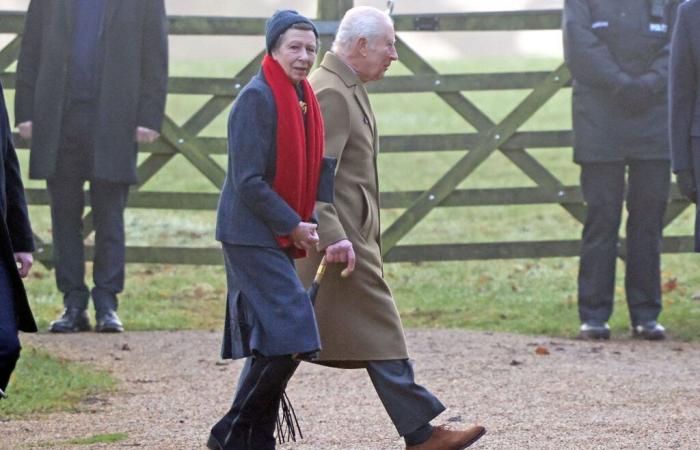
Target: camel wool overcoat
(357, 317)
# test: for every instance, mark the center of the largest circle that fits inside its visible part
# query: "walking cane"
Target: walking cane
(313, 289)
(287, 423)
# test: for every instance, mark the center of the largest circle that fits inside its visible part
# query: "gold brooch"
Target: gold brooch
(302, 105)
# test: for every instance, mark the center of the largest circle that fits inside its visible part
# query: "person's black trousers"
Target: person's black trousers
(603, 186)
(108, 201)
(9, 341)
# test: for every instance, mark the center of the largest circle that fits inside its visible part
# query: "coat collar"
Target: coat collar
(332, 63)
(350, 78)
(68, 10)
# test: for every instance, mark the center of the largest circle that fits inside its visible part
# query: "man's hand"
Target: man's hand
(342, 252)
(304, 236)
(145, 135)
(686, 184)
(24, 263)
(25, 129)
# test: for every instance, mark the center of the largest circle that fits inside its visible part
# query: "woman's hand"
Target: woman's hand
(305, 236)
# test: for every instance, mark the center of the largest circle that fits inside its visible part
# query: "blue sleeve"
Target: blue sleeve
(252, 152)
(17, 215)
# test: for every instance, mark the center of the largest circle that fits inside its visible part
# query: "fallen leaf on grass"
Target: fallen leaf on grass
(670, 285)
(542, 351)
(484, 279)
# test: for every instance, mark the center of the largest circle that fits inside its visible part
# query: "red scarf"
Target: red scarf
(299, 148)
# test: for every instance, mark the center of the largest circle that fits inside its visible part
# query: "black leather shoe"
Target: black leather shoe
(108, 322)
(73, 320)
(651, 331)
(594, 331)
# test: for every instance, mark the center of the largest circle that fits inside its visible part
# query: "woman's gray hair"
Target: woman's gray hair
(360, 22)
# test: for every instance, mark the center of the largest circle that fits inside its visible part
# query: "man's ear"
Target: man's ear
(363, 46)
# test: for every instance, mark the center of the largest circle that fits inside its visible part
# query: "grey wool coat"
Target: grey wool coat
(685, 96)
(357, 317)
(15, 230)
(133, 75)
(267, 309)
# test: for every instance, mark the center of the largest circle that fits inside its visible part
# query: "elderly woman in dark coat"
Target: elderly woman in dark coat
(16, 245)
(264, 221)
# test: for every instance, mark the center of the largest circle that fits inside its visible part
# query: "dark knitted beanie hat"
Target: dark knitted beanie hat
(280, 22)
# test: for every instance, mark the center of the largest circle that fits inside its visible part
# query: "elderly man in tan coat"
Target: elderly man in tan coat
(358, 321)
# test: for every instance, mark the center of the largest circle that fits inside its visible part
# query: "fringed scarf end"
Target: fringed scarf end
(287, 423)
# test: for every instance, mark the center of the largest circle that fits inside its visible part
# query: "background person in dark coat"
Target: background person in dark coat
(91, 83)
(275, 149)
(16, 245)
(617, 52)
(685, 104)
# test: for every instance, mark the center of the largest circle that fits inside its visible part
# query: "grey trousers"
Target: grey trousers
(410, 406)
(108, 200)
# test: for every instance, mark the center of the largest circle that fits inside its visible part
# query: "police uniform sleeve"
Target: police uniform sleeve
(656, 79)
(587, 57)
(682, 94)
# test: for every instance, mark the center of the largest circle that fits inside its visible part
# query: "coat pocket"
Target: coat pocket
(367, 214)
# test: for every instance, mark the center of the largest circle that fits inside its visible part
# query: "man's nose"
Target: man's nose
(394, 55)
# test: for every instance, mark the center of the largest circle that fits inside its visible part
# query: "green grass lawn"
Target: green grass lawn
(523, 296)
(42, 384)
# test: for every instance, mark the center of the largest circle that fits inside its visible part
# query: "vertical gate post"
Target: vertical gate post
(331, 10)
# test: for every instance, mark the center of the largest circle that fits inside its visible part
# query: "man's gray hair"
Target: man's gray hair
(360, 22)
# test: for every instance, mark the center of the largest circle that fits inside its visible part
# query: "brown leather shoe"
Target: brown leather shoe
(445, 438)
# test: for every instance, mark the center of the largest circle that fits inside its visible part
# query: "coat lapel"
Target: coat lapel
(363, 100)
(351, 80)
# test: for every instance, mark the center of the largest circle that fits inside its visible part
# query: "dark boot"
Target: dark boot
(218, 433)
(73, 320)
(255, 407)
(106, 304)
(108, 322)
(7, 365)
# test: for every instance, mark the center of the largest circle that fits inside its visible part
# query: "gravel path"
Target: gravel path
(618, 395)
